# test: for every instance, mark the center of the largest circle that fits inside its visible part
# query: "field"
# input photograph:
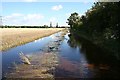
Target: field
(12, 37)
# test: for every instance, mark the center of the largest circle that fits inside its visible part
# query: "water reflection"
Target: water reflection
(78, 58)
(72, 62)
(103, 63)
(11, 56)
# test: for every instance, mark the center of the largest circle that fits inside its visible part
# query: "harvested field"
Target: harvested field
(12, 37)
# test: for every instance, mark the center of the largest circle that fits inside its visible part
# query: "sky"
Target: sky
(41, 13)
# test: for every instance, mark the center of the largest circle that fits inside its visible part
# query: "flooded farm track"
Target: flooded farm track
(56, 57)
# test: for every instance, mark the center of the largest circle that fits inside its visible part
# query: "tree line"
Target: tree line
(24, 26)
(45, 26)
(100, 25)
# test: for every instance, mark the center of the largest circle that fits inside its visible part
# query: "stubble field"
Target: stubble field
(11, 37)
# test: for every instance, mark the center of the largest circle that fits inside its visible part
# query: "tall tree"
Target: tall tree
(50, 24)
(100, 24)
(74, 20)
(57, 25)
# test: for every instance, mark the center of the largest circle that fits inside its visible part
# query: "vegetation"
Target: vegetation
(57, 25)
(12, 37)
(100, 24)
(44, 26)
(50, 24)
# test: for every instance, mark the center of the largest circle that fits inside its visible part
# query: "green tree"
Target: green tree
(100, 24)
(74, 20)
(57, 25)
(50, 24)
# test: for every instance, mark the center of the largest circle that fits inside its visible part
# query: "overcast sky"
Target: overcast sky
(41, 13)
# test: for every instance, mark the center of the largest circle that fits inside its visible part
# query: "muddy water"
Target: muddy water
(75, 58)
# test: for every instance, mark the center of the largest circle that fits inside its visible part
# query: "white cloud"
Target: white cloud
(57, 7)
(33, 17)
(22, 19)
(13, 16)
(21, 0)
(17, 14)
(30, 0)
